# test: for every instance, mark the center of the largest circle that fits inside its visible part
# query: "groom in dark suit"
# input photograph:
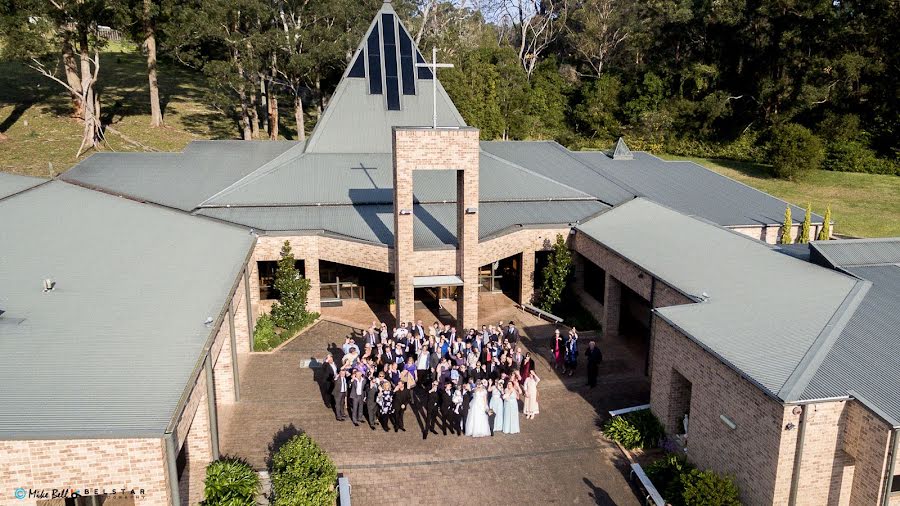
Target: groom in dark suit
(339, 392)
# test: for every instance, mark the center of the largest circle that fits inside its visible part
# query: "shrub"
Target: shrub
(230, 481)
(264, 336)
(850, 156)
(794, 151)
(303, 474)
(665, 474)
(638, 429)
(556, 274)
(706, 488)
(289, 312)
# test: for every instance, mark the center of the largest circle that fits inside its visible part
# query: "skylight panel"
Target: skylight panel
(391, 77)
(407, 65)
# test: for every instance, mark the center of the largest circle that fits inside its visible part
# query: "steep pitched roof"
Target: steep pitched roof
(111, 349)
(381, 88)
(767, 315)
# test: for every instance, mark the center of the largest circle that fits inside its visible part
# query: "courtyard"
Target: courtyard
(558, 458)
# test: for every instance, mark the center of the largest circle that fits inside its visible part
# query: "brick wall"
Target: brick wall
(84, 463)
(866, 440)
(772, 233)
(750, 452)
(192, 431)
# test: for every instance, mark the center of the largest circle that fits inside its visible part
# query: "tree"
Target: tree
(794, 151)
(532, 26)
(230, 481)
(290, 312)
(596, 111)
(786, 227)
(597, 29)
(141, 20)
(556, 274)
(804, 229)
(825, 231)
(303, 474)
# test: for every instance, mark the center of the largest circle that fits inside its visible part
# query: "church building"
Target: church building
(131, 285)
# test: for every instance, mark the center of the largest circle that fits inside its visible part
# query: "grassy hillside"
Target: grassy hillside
(34, 113)
(862, 205)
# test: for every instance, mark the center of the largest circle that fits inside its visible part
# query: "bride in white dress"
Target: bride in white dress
(477, 423)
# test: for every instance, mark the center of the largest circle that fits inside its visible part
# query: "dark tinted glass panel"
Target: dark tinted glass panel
(424, 73)
(407, 66)
(374, 63)
(358, 69)
(391, 81)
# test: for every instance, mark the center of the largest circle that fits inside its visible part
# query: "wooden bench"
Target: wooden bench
(343, 490)
(542, 314)
(653, 496)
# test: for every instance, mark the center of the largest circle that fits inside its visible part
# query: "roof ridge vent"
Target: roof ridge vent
(621, 151)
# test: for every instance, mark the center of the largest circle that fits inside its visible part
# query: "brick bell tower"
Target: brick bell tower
(427, 148)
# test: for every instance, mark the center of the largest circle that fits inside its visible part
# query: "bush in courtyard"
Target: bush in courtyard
(804, 228)
(264, 336)
(785, 237)
(794, 151)
(303, 474)
(706, 488)
(665, 474)
(638, 429)
(230, 481)
(556, 274)
(289, 312)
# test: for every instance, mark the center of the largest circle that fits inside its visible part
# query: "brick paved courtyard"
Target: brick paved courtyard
(558, 458)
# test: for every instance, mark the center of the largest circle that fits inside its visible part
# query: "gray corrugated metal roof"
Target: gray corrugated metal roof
(866, 356)
(434, 226)
(750, 319)
(178, 180)
(356, 121)
(11, 184)
(110, 350)
(558, 163)
(315, 178)
(853, 252)
(694, 190)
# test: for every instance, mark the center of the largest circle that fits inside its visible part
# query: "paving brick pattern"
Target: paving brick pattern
(558, 458)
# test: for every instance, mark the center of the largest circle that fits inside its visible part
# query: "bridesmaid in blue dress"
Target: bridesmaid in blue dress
(496, 405)
(511, 407)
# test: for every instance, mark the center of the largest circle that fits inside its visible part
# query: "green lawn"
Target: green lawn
(862, 205)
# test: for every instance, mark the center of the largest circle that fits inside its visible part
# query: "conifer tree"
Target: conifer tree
(825, 231)
(289, 312)
(556, 274)
(786, 227)
(804, 230)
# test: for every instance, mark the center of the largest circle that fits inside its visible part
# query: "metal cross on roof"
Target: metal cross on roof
(434, 65)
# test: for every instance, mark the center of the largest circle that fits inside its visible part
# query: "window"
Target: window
(895, 484)
(267, 270)
(374, 62)
(358, 68)
(407, 65)
(391, 76)
(424, 72)
(594, 280)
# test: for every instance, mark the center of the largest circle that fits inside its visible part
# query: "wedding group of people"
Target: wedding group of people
(470, 382)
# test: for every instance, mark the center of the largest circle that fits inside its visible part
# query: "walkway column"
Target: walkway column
(455, 149)
(526, 278)
(612, 306)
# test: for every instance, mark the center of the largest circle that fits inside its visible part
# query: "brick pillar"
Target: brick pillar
(611, 306)
(454, 149)
(526, 278)
(467, 234)
(311, 272)
(578, 264)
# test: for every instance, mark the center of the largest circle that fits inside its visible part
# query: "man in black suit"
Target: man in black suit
(447, 414)
(327, 373)
(512, 333)
(357, 395)
(464, 410)
(594, 357)
(339, 392)
(432, 405)
(401, 402)
(372, 397)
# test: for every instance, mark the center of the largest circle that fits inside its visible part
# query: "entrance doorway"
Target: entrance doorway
(339, 282)
(502, 276)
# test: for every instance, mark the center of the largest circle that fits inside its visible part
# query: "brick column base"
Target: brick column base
(526, 278)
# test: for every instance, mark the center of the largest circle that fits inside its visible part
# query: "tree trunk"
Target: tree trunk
(92, 134)
(70, 66)
(264, 101)
(273, 111)
(156, 117)
(254, 115)
(298, 116)
(320, 106)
